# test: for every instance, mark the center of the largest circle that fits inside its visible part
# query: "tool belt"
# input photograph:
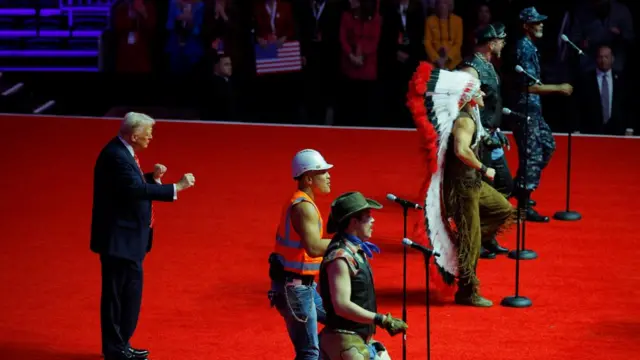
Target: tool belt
(278, 274)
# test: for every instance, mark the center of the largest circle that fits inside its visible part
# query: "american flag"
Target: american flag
(271, 60)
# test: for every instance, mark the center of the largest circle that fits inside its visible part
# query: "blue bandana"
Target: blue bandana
(366, 246)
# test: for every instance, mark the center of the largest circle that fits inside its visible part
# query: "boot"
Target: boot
(493, 247)
(467, 294)
(486, 254)
(532, 215)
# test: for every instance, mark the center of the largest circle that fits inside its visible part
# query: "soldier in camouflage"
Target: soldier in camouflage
(490, 41)
(536, 145)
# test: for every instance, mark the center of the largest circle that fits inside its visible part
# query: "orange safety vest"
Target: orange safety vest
(293, 256)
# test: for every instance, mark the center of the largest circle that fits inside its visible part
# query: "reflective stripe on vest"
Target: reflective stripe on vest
(288, 246)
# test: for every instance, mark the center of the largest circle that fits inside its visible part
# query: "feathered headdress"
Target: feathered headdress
(439, 94)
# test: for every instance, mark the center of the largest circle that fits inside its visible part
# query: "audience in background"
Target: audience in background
(319, 24)
(134, 34)
(443, 36)
(401, 49)
(218, 101)
(598, 22)
(359, 39)
(602, 98)
(185, 46)
(357, 55)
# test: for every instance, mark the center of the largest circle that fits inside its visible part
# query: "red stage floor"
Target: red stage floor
(206, 279)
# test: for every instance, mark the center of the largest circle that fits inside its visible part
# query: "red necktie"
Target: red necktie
(135, 157)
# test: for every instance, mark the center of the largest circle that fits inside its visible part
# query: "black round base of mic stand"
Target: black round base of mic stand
(568, 215)
(523, 196)
(518, 301)
(521, 253)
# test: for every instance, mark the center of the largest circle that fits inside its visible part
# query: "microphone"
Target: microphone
(419, 247)
(520, 70)
(564, 38)
(405, 203)
(507, 111)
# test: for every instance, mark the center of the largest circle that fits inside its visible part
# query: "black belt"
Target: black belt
(305, 279)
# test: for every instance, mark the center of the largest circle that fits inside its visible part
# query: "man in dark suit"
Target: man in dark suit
(122, 230)
(401, 48)
(601, 98)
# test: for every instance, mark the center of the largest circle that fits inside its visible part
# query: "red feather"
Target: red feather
(429, 149)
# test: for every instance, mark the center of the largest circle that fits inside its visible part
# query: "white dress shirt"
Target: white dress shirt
(608, 77)
(130, 148)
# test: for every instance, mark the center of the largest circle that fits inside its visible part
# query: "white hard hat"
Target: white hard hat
(308, 160)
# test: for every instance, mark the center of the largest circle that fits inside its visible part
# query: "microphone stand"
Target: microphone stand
(523, 199)
(427, 256)
(518, 301)
(405, 210)
(567, 214)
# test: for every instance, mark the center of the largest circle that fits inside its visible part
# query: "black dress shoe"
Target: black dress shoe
(533, 215)
(532, 203)
(495, 248)
(139, 353)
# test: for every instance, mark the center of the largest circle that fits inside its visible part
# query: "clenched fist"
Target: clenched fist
(187, 181)
(393, 326)
(159, 171)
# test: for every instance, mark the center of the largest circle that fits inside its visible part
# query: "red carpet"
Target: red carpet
(206, 278)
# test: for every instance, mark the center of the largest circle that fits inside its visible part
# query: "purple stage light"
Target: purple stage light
(51, 12)
(49, 69)
(8, 34)
(18, 12)
(48, 53)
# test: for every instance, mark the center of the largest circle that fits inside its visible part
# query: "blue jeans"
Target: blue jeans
(301, 307)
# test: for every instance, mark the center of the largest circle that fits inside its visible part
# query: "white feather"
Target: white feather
(446, 96)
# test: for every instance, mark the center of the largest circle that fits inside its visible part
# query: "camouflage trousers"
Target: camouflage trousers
(534, 150)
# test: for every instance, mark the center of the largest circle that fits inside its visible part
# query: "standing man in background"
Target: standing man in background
(299, 248)
(122, 229)
(536, 146)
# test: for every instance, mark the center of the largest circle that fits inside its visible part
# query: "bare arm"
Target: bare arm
(544, 89)
(340, 288)
(463, 131)
(304, 220)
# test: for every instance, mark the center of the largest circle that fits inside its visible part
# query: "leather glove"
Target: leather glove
(504, 140)
(492, 143)
(392, 325)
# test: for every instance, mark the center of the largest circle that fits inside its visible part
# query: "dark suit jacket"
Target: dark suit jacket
(590, 108)
(122, 198)
(392, 30)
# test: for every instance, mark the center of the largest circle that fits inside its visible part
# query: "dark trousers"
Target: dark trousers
(119, 303)
(503, 181)
(534, 150)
